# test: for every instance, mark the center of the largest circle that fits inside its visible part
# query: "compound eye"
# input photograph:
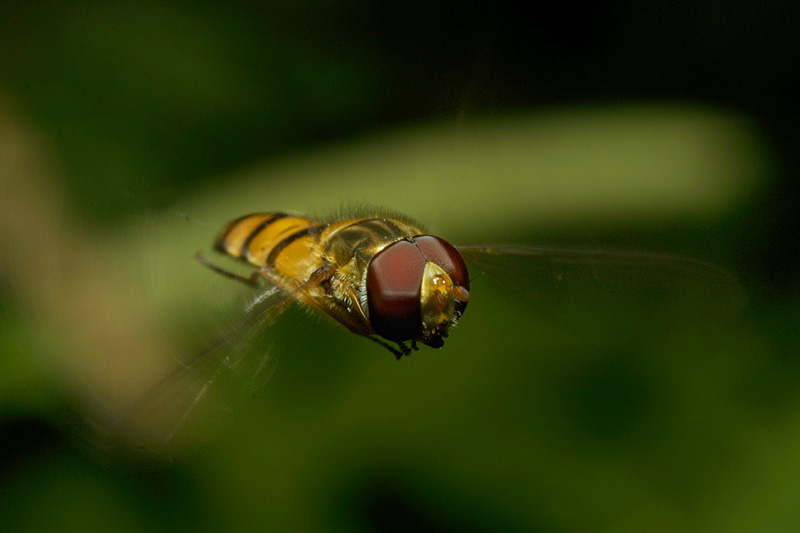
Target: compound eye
(394, 281)
(445, 255)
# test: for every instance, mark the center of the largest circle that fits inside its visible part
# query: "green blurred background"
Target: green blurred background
(131, 132)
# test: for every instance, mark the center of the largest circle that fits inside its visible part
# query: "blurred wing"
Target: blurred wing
(631, 277)
(162, 411)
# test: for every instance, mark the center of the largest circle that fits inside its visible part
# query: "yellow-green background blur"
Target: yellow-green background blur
(590, 399)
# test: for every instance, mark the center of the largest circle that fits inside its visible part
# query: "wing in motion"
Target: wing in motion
(641, 278)
(160, 414)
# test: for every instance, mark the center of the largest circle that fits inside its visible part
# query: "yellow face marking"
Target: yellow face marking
(437, 298)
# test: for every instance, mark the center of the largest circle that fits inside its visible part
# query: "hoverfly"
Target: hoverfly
(385, 278)
(382, 276)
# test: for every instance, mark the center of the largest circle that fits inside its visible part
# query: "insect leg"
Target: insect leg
(251, 280)
(397, 353)
(356, 303)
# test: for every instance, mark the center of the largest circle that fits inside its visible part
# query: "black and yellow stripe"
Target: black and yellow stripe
(290, 244)
(252, 237)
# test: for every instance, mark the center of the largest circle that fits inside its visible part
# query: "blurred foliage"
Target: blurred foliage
(131, 132)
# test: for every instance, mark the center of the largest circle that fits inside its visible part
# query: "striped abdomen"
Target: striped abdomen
(284, 244)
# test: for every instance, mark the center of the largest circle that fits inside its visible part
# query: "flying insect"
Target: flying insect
(385, 278)
(381, 277)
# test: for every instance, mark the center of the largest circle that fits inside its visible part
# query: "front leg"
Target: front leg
(404, 350)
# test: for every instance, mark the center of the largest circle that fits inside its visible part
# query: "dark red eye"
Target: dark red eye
(394, 281)
(446, 256)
